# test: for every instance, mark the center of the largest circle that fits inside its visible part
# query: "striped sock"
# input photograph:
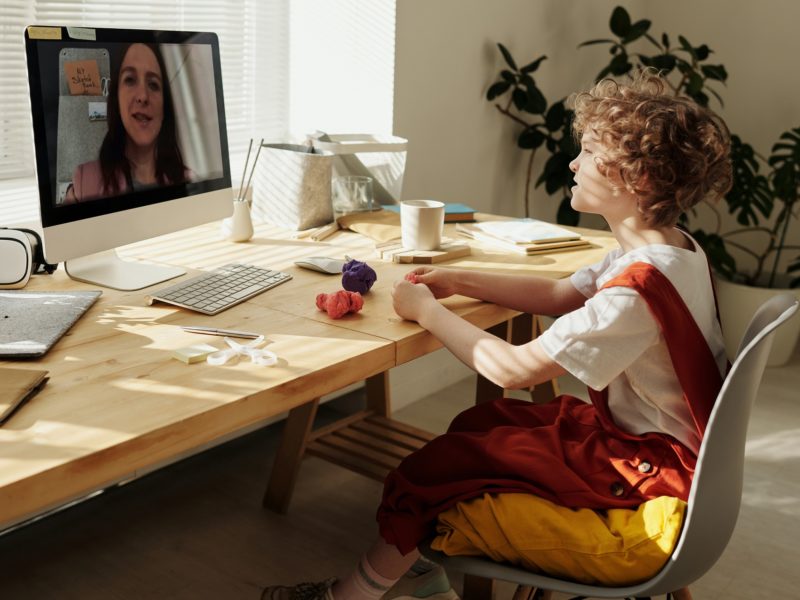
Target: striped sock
(364, 583)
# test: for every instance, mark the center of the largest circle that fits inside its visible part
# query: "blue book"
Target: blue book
(454, 212)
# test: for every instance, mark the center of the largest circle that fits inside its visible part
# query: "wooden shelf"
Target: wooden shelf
(366, 443)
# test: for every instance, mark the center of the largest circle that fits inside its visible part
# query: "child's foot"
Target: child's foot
(320, 590)
(431, 585)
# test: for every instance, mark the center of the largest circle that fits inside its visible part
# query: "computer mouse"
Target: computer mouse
(323, 264)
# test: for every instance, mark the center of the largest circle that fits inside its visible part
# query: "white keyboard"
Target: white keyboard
(213, 292)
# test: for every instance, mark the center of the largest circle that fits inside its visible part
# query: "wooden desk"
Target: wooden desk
(117, 405)
(374, 448)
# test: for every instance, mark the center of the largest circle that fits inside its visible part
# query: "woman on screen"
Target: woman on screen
(140, 149)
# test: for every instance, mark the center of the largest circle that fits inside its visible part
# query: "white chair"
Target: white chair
(714, 499)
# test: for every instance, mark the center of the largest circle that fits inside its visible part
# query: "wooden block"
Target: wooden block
(394, 252)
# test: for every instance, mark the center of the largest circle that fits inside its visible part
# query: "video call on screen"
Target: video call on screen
(168, 103)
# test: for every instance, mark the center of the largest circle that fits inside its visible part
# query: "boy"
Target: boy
(639, 328)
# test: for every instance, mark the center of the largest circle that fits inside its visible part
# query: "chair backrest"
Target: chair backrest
(716, 492)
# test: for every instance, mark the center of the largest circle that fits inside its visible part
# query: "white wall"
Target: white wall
(462, 150)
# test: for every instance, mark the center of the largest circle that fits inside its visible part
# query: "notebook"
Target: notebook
(31, 322)
(16, 387)
(559, 244)
(527, 231)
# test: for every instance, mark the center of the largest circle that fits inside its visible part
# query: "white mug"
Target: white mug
(421, 223)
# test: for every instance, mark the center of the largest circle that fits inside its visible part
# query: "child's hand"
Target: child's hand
(441, 282)
(410, 300)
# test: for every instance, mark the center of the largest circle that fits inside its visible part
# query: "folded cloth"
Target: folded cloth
(379, 225)
(615, 547)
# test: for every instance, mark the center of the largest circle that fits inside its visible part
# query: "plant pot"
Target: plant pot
(737, 305)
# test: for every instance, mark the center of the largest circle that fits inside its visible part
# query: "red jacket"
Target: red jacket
(566, 451)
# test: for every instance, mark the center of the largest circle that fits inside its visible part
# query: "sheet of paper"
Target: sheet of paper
(527, 231)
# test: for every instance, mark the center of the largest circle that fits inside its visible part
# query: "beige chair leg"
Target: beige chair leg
(523, 592)
(682, 594)
(477, 588)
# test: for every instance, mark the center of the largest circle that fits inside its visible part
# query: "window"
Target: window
(288, 67)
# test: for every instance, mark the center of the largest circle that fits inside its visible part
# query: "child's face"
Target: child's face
(593, 192)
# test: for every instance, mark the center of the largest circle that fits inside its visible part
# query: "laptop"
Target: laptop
(32, 322)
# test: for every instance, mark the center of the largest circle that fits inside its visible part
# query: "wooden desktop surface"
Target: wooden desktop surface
(118, 405)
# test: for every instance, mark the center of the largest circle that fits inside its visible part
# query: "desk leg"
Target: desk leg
(289, 456)
(485, 390)
(379, 397)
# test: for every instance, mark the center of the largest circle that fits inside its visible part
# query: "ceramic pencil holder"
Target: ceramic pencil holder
(239, 226)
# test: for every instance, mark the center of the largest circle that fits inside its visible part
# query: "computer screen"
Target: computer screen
(130, 139)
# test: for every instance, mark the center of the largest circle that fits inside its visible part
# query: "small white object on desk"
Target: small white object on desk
(323, 264)
(193, 354)
(258, 356)
(239, 226)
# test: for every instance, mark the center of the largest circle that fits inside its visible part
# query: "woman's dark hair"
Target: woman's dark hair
(170, 167)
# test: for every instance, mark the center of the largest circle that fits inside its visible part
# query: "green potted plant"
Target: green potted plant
(763, 199)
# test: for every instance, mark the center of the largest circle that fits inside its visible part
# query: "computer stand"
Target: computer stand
(107, 269)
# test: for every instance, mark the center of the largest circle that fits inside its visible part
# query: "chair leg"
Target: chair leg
(523, 592)
(682, 594)
(540, 594)
(477, 588)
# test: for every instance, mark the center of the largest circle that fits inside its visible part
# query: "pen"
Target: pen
(215, 331)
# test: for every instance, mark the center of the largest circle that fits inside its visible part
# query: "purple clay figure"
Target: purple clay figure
(357, 276)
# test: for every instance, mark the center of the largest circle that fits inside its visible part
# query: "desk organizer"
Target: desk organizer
(292, 186)
(382, 157)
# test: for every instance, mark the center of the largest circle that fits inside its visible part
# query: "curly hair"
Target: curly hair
(667, 150)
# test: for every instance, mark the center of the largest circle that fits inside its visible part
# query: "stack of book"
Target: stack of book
(453, 212)
(523, 236)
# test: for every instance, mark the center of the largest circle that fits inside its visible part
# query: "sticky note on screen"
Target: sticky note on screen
(83, 77)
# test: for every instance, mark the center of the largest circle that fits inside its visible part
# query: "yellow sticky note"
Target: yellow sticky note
(44, 33)
(193, 354)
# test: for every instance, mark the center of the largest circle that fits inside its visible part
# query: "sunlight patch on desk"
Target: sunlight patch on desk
(139, 315)
(160, 390)
(504, 261)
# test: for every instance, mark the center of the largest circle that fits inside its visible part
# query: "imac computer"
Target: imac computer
(131, 143)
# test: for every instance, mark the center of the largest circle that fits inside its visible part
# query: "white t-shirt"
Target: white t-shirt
(613, 340)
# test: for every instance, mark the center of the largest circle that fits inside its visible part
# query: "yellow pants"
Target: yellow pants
(614, 547)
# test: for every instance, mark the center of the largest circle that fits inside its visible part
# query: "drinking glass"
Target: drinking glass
(351, 193)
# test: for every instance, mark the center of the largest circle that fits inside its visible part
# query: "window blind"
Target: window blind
(255, 98)
(283, 62)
